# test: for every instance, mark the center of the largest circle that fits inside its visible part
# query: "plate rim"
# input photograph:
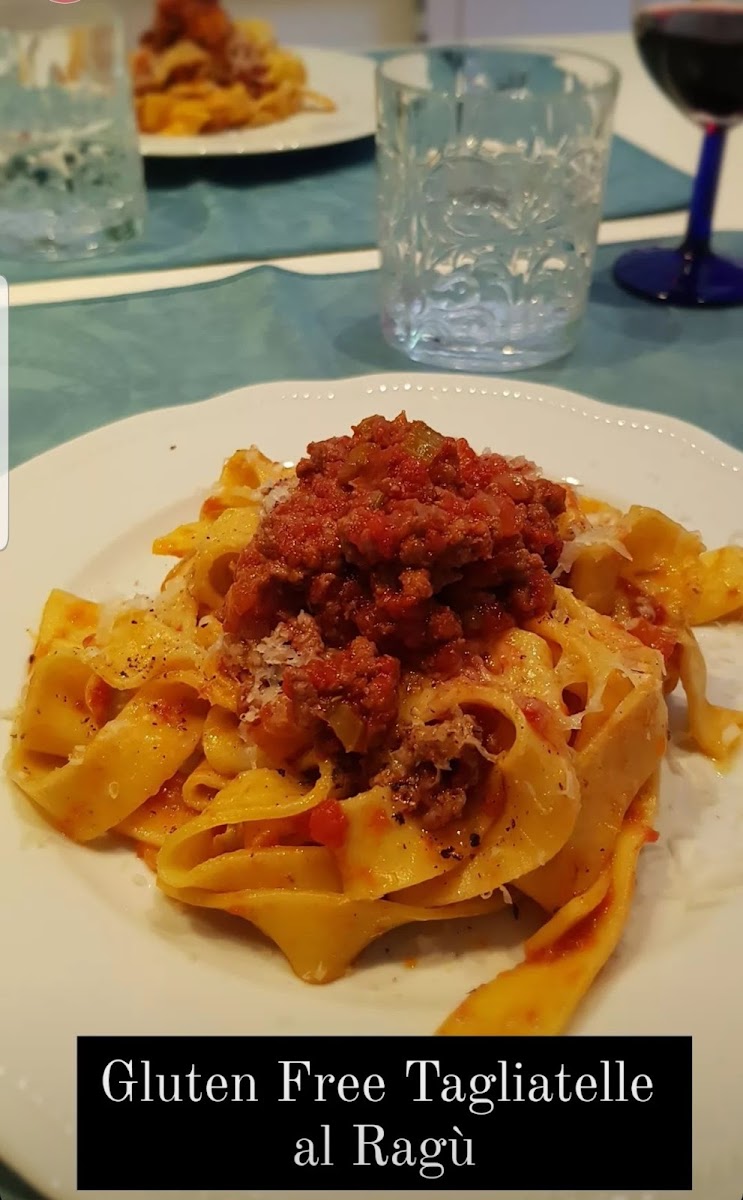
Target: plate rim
(695, 437)
(159, 146)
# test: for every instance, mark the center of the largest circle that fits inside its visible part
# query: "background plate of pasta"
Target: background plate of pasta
(207, 84)
(388, 705)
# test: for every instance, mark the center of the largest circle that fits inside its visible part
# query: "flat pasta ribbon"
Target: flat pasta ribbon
(292, 893)
(541, 994)
(115, 772)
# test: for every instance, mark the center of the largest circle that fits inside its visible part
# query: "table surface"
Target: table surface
(643, 116)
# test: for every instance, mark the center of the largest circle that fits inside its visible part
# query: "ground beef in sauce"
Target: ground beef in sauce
(434, 768)
(437, 798)
(436, 793)
(202, 22)
(408, 552)
(205, 24)
(353, 691)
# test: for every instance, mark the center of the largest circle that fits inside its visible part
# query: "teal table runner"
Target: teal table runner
(82, 364)
(305, 202)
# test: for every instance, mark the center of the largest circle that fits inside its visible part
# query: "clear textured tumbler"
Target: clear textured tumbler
(492, 167)
(71, 175)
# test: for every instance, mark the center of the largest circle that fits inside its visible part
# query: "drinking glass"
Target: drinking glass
(71, 175)
(693, 50)
(492, 167)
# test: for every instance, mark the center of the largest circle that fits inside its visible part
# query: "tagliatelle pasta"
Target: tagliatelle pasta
(197, 71)
(400, 683)
(561, 961)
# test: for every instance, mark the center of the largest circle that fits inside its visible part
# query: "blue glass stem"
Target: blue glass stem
(699, 231)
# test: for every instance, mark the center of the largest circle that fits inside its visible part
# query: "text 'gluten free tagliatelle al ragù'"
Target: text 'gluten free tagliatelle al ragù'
(403, 682)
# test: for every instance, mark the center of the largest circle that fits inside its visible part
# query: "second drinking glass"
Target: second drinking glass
(71, 175)
(492, 167)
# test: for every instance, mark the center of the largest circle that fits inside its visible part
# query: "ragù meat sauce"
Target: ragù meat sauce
(397, 551)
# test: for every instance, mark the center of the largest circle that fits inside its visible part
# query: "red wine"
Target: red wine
(694, 52)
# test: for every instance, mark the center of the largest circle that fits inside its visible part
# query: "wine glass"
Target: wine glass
(693, 49)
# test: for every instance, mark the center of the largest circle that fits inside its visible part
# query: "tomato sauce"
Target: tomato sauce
(328, 824)
(577, 937)
(656, 637)
(99, 699)
(542, 720)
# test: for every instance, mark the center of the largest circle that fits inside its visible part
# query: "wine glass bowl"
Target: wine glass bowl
(693, 51)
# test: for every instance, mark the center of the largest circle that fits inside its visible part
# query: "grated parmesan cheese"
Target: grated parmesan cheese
(168, 595)
(112, 609)
(275, 493)
(232, 653)
(598, 533)
(635, 671)
(266, 662)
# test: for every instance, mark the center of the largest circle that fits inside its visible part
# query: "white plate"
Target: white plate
(87, 946)
(347, 79)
